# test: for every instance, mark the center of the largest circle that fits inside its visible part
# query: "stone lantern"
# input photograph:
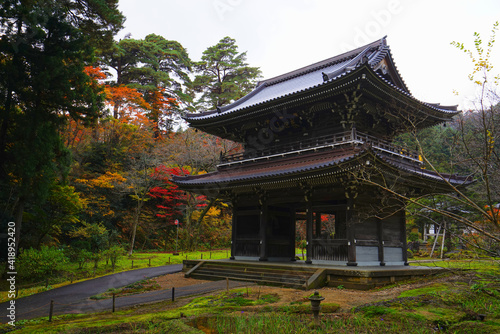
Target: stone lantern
(315, 305)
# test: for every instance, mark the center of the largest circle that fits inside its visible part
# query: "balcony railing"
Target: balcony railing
(352, 137)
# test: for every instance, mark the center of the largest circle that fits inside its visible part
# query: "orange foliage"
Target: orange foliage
(94, 72)
(125, 101)
(161, 107)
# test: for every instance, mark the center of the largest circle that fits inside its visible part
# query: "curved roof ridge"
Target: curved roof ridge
(324, 63)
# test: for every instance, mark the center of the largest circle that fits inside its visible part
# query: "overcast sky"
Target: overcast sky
(282, 35)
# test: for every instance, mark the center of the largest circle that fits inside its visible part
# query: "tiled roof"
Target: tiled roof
(315, 75)
(313, 164)
(271, 169)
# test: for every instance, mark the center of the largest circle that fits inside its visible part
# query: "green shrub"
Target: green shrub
(114, 253)
(78, 255)
(37, 265)
(413, 236)
(95, 257)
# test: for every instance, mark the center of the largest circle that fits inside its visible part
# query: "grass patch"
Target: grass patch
(232, 299)
(294, 308)
(425, 290)
(483, 266)
(131, 289)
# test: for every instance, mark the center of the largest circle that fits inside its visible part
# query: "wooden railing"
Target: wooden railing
(329, 250)
(329, 141)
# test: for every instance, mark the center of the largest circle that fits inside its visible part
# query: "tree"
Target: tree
(158, 69)
(173, 203)
(59, 213)
(141, 179)
(224, 75)
(44, 48)
(198, 150)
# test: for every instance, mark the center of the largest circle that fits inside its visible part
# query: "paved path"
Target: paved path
(74, 298)
(74, 294)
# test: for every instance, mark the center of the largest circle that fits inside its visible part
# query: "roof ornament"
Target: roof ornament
(351, 65)
(219, 110)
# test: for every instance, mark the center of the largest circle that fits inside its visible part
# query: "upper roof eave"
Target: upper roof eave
(289, 75)
(446, 111)
(206, 118)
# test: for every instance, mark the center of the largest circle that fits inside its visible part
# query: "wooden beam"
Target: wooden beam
(264, 215)
(318, 224)
(380, 238)
(309, 231)
(403, 238)
(233, 230)
(351, 246)
(292, 233)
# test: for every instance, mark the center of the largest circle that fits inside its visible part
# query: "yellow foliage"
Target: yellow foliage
(213, 212)
(107, 180)
(87, 230)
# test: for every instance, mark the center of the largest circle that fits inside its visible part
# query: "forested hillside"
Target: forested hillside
(91, 133)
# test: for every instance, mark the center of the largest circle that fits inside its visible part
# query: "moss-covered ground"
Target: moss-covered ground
(467, 303)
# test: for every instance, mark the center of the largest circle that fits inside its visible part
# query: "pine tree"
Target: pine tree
(224, 76)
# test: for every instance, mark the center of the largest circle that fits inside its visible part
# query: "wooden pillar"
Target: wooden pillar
(264, 214)
(233, 230)
(318, 225)
(309, 231)
(380, 238)
(351, 241)
(292, 233)
(403, 238)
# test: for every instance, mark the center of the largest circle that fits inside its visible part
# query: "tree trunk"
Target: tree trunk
(19, 222)
(204, 212)
(134, 226)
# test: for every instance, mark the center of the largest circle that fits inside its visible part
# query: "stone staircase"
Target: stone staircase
(298, 277)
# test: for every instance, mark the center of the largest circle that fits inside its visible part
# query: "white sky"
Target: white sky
(283, 35)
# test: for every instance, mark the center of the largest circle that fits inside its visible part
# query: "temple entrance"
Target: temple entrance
(329, 236)
(329, 233)
(246, 232)
(267, 232)
(281, 233)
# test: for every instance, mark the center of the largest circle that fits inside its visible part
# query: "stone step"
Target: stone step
(262, 274)
(258, 270)
(253, 276)
(261, 281)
